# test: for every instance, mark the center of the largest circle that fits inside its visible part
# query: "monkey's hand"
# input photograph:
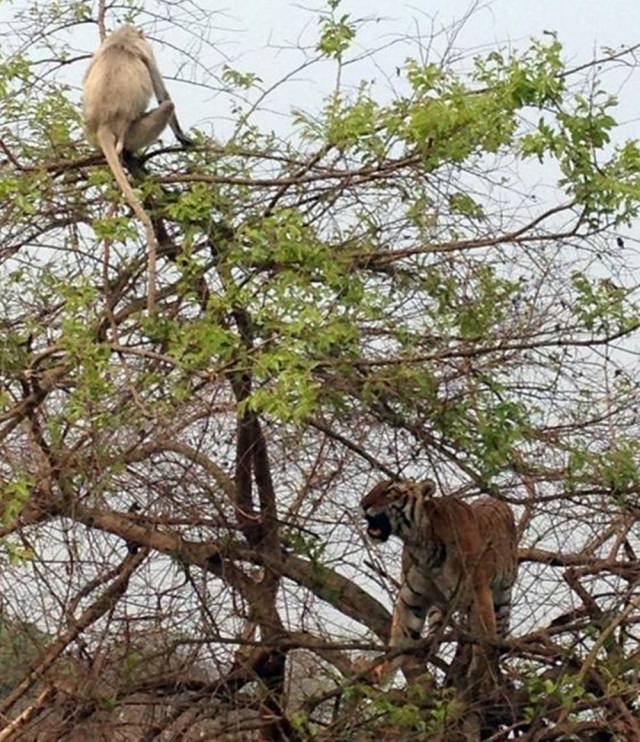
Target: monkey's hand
(184, 140)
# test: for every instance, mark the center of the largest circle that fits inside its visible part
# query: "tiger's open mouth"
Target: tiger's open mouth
(378, 526)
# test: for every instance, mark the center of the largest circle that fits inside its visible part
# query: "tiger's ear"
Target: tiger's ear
(426, 487)
(381, 487)
(375, 492)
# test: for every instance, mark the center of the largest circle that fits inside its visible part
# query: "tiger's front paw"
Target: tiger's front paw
(371, 672)
(383, 672)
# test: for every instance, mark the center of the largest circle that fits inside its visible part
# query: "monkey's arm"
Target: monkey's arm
(162, 94)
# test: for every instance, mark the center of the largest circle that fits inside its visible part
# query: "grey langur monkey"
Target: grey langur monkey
(118, 85)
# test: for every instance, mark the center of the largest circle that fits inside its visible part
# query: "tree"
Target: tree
(378, 289)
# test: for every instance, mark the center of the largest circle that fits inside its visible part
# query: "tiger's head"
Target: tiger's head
(391, 507)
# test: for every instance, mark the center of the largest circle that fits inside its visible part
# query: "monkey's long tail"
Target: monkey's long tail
(107, 142)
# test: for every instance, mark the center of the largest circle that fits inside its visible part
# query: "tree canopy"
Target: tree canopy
(429, 275)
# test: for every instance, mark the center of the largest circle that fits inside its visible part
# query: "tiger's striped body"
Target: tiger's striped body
(457, 557)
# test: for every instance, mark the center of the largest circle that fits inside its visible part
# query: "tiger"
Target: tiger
(456, 557)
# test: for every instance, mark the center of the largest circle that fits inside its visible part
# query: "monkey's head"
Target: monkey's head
(126, 36)
(390, 508)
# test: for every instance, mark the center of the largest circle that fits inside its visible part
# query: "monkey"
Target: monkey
(118, 85)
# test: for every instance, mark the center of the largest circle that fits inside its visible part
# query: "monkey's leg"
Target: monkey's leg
(148, 127)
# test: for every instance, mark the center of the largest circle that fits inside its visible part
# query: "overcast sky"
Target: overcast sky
(258, 36)
(583, 24)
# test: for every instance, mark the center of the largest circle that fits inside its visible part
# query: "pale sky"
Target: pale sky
(257, 36)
